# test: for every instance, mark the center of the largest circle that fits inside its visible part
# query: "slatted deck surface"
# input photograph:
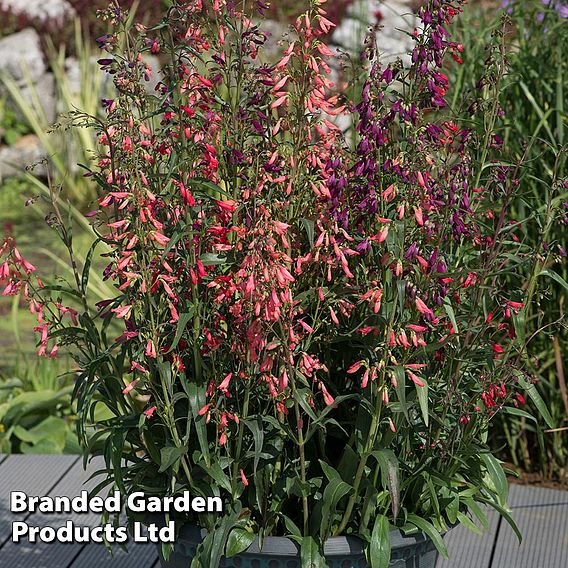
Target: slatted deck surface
(542, 516)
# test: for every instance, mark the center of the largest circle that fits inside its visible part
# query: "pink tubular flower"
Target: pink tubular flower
(160, 238)
(307, 327)
(150, 412)
(355, 367)
(279, 102)
(328, 399)
(418, 216)
(204, 410)
(227, 205)
(122, 311)
(130, 386)
(422, 307)
(4, 270)
(244, 478)
(150, 349)
(224, 386)
(137, 366)
(415, 379)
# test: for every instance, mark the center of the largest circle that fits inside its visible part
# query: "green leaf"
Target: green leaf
(87, 267)
(310, 555)
(422, 394)
(380, 549)
(184, 319)
(211, 259)
(335, 490)
(400, 378)
(518, 412)
(10, 136)
(450, 311)
(467, 522)
(496, 478)
(388, 462)
(170, 455)
(210, 550)
(536, 398)
(197, 401)
(452, 508)
(46, 437)
(217, 474)
(476, 510)
(254, 424)
(556, 277)
(291, 526)
(309, 228)
(428, 528)
(507, 516)
(239, 540)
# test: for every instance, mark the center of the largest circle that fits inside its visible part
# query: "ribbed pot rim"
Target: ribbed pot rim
(284, 546)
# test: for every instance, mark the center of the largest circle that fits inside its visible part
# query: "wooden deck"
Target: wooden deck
(542, 516)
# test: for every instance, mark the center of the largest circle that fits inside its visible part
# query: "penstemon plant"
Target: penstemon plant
(317, 327)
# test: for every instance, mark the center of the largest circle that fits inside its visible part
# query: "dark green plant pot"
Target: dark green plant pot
(415, 551)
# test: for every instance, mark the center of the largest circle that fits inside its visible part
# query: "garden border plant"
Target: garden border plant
(318, 330)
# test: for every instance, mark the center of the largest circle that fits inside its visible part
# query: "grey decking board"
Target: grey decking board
(545, 539)
(52, 555)
(467, 549)
(35, 475)
(525, 495)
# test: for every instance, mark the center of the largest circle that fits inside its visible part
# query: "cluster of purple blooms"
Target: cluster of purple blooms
(387, 119)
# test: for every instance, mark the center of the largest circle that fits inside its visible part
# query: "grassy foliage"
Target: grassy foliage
(533, 129)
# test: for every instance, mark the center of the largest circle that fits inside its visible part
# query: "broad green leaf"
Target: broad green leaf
(170, 455)
(452, 508)
(239, 540)
(211, 549)
(310, 555)
(477, 511)
(518, 412)
(422, 395)
(380, 549)
(291, 526)
(496, 478)
(46, 437)
(184, 319)
(555, 276)
(536, 398)
(450, 311)
(254, 424)
(211, 259)
(197, 401)
(217, 474)
(467, 522)
(335, 490)
(309, 228)
(505, 513)
(400, 377)
(428, 528)
(388, 463)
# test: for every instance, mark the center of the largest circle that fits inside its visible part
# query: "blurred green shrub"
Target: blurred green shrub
(36, 413)
(11, 127)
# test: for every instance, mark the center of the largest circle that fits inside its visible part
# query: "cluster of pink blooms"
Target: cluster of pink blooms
(251, 220)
